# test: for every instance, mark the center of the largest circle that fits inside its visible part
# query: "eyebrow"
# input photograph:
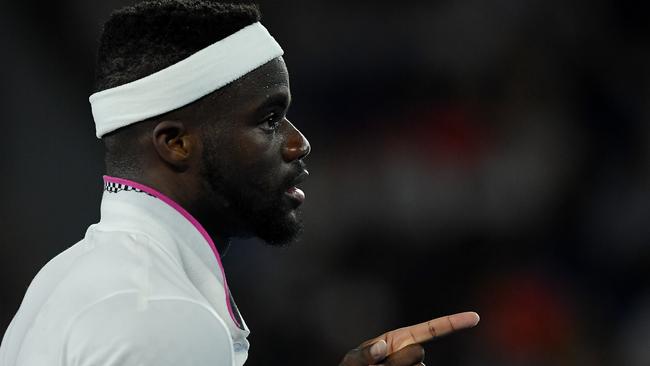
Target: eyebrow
(281, 97)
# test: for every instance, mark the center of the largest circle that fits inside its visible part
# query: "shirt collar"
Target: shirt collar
(141, 208)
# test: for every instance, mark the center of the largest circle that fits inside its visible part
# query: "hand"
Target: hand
(402, 347)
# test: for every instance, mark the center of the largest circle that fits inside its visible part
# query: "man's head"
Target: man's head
(231, 158)
(152, 35)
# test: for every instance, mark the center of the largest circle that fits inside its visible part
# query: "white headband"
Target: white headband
(186, 81)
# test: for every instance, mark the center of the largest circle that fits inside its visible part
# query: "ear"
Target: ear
(173, 143)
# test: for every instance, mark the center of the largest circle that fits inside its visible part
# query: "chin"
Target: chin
(281, 231)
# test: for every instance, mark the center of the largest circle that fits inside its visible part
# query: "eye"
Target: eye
(272, 121)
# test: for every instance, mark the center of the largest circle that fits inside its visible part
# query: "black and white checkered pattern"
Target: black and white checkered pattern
(113, 187)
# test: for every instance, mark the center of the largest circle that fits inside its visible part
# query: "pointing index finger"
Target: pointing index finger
(427, 331)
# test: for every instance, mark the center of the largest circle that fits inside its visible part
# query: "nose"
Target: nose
(296, 145)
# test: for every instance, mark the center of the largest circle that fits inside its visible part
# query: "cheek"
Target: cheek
(256, 149)
(255, 161)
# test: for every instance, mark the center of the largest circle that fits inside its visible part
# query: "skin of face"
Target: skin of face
(233, 159)
(252, 156)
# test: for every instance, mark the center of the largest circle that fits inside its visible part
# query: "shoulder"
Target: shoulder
(129, 329)
(106, 264)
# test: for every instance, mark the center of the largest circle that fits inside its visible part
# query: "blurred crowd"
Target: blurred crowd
(466, 155)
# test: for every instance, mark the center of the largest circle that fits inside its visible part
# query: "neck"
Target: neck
(180, 194)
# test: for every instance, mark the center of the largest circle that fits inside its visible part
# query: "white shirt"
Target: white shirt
(145, 286)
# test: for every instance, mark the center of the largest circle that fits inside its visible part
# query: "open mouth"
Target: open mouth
(295, 193)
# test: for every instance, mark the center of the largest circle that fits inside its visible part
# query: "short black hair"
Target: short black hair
(149, 36)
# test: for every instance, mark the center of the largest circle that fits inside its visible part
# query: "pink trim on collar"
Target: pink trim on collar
(189, 218)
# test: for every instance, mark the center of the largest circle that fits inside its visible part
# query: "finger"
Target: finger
(439, 327)
(407, 356)
(424, 332)
(365, 355)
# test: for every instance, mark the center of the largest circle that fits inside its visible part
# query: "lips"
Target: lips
(294, 193)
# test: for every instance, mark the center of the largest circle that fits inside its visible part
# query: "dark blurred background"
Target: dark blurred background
(467, 154)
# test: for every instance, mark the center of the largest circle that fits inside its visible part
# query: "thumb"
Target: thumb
(367, 355)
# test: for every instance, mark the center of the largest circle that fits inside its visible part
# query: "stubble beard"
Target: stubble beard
(255, 211)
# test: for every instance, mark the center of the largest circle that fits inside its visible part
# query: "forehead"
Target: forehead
(268, 79)
(268, 82)
(273, 73)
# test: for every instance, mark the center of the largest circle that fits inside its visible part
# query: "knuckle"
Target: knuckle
(418, 352)
(351, 358)
(346, 360)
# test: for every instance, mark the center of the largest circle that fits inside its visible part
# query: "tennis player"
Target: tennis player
(191, 102)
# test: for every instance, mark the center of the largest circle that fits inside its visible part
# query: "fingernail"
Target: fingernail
(378, 350)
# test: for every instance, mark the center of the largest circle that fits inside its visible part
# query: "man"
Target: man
(191, 103)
